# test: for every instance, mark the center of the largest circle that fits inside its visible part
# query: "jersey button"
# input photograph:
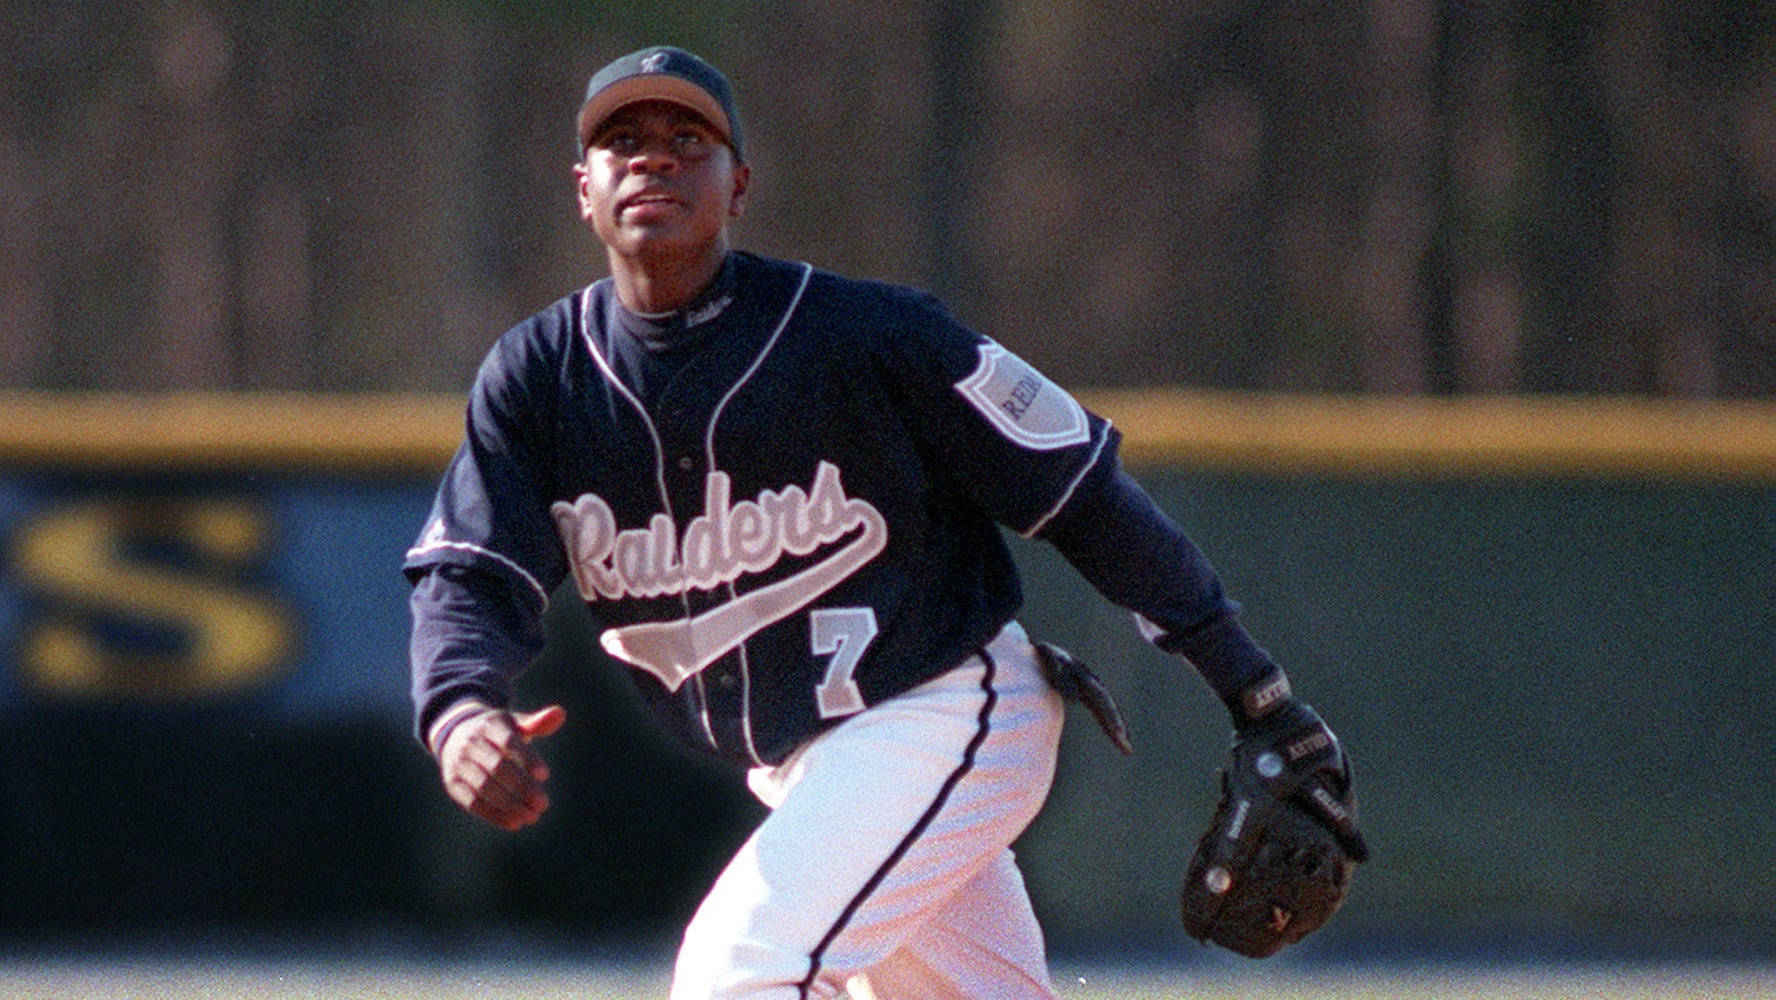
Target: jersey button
(727, 681)
(686, 463)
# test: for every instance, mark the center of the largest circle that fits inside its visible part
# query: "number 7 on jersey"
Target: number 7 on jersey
(842, 633)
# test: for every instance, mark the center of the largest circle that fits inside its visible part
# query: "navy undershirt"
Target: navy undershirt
(649, 351)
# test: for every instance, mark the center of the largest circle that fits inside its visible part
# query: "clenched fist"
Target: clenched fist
(490, 768)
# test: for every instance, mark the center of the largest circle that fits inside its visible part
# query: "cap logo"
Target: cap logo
(655, 63)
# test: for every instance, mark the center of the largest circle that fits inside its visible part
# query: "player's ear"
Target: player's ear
(582, 189)
(737, 201)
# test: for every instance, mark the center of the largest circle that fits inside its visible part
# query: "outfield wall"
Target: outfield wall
(1544, 627)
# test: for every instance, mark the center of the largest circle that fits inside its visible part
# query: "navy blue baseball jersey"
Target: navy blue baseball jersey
(781, 506)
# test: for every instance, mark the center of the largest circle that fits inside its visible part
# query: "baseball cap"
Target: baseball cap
(661, 73)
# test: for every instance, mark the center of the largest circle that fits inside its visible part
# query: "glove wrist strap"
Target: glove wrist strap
(1257, 701)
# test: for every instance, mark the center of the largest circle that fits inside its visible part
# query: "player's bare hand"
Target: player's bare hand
(491, 769)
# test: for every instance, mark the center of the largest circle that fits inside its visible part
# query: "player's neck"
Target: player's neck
(656, 287)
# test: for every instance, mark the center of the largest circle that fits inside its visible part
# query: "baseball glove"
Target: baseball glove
(1276, 861)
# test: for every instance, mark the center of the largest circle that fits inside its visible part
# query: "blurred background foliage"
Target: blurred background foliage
(1389, 196)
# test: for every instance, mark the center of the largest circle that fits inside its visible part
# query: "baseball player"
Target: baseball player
(779, 492)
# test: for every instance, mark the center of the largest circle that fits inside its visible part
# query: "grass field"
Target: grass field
(147, 980)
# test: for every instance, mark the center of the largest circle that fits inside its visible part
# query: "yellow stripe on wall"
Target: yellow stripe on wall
(1450, 436)
(1236, 432)
(219, 431)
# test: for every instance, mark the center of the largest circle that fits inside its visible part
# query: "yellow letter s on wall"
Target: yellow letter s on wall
(98, 566)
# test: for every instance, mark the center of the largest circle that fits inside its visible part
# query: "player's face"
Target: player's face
(659, 183)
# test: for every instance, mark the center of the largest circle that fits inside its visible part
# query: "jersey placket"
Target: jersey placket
(719, 684)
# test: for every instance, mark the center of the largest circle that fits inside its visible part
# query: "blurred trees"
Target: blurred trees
(1400, 196)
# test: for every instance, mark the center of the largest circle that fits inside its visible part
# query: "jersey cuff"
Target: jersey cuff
(450, 718)
(1223, 652)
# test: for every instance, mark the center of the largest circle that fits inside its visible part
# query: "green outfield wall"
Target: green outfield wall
(1544, 627)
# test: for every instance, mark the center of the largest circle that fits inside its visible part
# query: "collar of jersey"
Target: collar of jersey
(665, 331)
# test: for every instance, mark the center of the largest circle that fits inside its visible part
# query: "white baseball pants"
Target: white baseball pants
(886, 860)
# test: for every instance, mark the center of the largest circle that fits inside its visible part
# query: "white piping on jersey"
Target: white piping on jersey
(610, 375)
(429, 547)
(709, 459)
(1072, 487)
(752, 369)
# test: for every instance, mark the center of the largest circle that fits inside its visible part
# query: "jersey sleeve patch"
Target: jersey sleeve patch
(1024, 406)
